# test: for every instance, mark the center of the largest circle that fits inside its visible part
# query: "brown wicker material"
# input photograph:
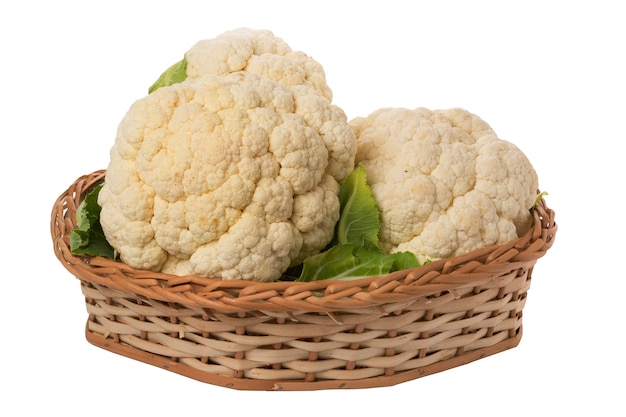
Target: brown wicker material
(284, 335)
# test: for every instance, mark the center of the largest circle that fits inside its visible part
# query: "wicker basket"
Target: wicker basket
(284, 335)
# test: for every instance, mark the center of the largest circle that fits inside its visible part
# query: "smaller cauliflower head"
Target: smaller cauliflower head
(222, 176)
(444, 182)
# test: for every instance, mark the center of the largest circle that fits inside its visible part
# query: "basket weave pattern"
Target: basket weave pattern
(285, 335)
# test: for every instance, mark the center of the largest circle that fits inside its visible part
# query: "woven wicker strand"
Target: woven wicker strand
(287, 335)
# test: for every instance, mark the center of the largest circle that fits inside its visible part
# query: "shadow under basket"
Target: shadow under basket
(285, 335)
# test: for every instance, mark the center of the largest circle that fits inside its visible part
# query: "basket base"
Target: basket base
(282, 385)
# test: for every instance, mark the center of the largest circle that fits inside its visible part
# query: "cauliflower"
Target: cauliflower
(225, 176)
(444, 182)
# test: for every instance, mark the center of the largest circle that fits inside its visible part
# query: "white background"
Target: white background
(547, 75)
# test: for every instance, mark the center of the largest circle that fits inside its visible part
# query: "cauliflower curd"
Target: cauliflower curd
(444, 182)
(260, 52)
(232, 173)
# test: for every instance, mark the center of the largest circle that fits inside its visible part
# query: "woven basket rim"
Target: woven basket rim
(239, 296)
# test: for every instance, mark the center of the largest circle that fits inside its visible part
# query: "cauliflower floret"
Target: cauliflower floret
(444, 182)
(221, 176)
(260, 52)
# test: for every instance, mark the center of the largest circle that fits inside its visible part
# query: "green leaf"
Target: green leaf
(173, 75)
(538, 199)
(345, 261)
(88, 237)
(404, 260)
(360, 217)
(348, 262)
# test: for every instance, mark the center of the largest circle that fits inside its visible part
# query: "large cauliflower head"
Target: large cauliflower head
(445, 183)
(223, 176)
